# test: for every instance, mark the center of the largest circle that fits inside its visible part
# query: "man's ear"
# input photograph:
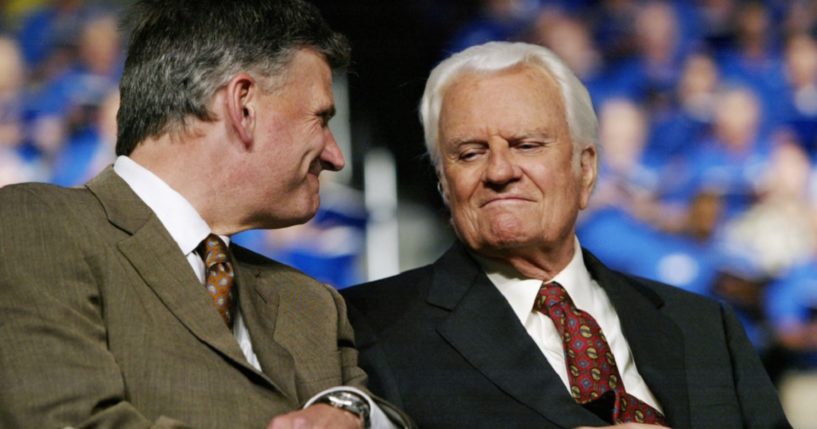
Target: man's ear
(589, 173)
(442, 186)
(241, 98)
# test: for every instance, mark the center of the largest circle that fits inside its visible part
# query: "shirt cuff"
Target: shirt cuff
(378, 418)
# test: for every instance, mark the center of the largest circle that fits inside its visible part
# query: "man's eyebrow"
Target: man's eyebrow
(457, 141)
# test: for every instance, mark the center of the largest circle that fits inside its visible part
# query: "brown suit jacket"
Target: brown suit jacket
(104, 324)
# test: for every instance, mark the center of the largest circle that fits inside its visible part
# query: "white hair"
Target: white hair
(493, 57)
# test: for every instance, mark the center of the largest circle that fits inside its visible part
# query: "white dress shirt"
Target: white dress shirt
(188, 230)
(587, 295)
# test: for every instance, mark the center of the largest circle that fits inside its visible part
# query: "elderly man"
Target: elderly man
(121, 303)
(517, 326)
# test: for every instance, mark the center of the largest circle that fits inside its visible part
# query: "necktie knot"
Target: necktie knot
(219, 279)
(550, 294)
(214, 251)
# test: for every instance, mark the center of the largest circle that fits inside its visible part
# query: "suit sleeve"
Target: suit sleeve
(353, 375)
(760, 406)
(55, 367)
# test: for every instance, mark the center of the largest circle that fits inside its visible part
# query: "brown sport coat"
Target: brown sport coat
(104, 324)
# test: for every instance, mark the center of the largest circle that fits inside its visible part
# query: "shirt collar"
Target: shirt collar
(182, 221)
(521, 292)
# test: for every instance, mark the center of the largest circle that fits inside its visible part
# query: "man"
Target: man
(104, 314)
(515, 325)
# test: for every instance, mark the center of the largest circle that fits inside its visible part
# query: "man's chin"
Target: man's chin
(276, 221)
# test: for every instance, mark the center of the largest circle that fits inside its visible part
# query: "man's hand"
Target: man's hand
(627, 426)
(318, 416)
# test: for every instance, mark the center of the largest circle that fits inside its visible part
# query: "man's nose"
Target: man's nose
(331, 157)
(500, 167)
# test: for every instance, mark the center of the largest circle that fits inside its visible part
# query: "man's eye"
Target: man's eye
(325, 120)
(468, 155)
(529, 145)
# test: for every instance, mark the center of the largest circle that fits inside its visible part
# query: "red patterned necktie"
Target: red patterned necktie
(591, 366)
(220, 276)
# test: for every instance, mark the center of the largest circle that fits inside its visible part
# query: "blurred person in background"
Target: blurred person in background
(91, 147)
(613, 22)
(754, 60)
(773, 235)
(676, 132)
(800, 102)
(516, 325)
(48, 34)
(73, 96)
(650, 75)
(717, 21)
(571, 39)
(628, 226)
(625, 179)
(14, 165)
(731, 160)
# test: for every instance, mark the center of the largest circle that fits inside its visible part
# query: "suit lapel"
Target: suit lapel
(654, 339)
(258, 299)
(484, 330)
(162, 266)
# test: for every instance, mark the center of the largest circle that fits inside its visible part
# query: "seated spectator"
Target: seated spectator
(571, 39)
(778, 229)
(773, 235)
(800, 100)
(94, 74)
(650, 76)
(677, 131)
(48, 34)
(14, 166)
(91, 148)
(732, 160)
(626, 181)
(754, 61)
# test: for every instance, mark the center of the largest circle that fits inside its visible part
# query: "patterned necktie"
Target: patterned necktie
(220, 276)
(592, 371)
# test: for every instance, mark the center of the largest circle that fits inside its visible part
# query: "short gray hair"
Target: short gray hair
(497, 56)
(182, 51)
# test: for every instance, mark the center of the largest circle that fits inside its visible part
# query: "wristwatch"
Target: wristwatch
(348, 401)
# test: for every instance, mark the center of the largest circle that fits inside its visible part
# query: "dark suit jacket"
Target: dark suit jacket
(104, 324)
(442, 343)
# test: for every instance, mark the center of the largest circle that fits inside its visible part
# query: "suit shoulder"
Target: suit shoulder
(39, 193)
(44, 205)
(260, 262)
(288, 277)
(672, 295)
(384, 293)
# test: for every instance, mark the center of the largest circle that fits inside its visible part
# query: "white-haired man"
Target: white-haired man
(517, 326)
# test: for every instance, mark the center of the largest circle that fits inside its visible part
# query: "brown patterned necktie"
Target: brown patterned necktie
(594, 378)
(219, 275)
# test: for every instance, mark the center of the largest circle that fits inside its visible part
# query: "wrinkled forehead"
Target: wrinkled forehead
(469, 73)
(523, 92)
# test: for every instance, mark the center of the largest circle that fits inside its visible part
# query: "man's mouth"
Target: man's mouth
(505, 199)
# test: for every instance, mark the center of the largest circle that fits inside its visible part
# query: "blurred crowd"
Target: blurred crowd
(59, 72)
(708, 131)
